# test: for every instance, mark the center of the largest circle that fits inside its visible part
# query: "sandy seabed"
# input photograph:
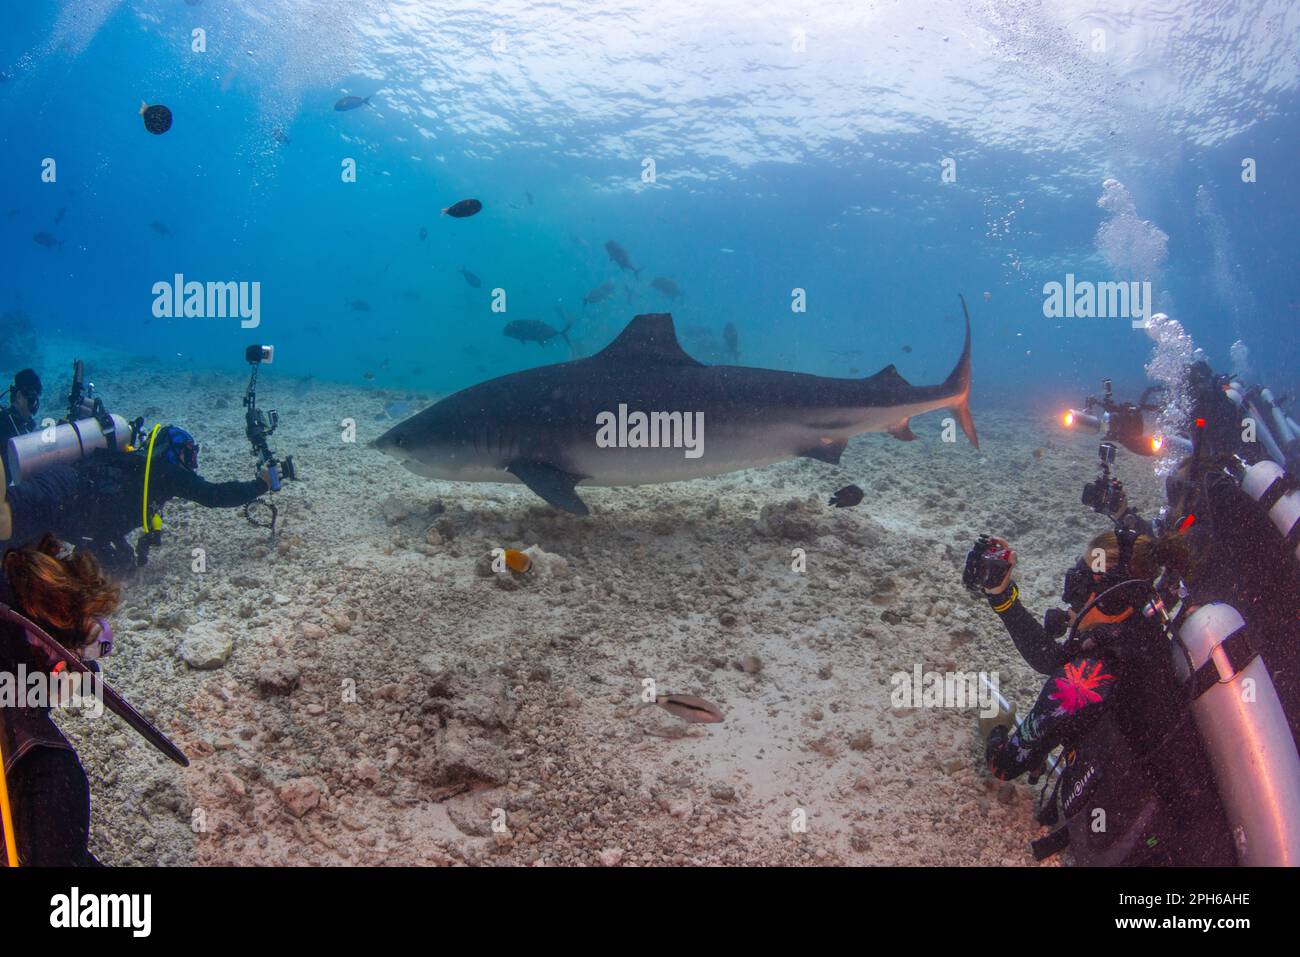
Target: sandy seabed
(363, 690)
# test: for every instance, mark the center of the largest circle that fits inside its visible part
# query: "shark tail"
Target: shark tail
(564, 334)
(958, 385)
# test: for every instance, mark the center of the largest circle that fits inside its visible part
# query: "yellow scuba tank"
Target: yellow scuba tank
(7, 834)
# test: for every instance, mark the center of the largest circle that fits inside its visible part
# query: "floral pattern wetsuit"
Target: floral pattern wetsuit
(1069, 703)
(1076, 694)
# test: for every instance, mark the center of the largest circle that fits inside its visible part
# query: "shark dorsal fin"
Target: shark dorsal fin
(888, 376)
(648, 338)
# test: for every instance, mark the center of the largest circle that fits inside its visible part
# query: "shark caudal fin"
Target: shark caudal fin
(958, 384)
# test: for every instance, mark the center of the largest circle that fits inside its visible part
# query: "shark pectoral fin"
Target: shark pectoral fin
(903, 431)
(554, 486)
(829, 452)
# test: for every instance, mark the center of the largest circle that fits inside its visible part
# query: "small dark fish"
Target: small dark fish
(368, 376)
(530, 197)
(732, 340)
(533, 330)
(846, 497)
(424, 233)
(690, 709)
(157, 119)
(470, 278)
(4, 77)
(599, 294)
(280, 136)
(350, 103)
(360, 305)
(47, 240)
(667, 287)
(466, 207)
(907, 348)
(59, 217)
(620, 258)
(160, 228)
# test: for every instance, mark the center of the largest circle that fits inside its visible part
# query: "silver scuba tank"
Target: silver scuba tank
(26, 455)
(1284, 509)
(1273, 429)
(1245, 732)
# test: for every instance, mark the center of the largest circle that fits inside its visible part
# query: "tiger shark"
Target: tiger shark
(642, 411)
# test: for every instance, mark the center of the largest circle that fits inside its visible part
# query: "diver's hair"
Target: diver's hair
(1170, 551)
(65, 592)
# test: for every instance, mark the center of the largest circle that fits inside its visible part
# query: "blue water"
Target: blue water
(776, 169)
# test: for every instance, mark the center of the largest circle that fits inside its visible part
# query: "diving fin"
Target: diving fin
(554, 486)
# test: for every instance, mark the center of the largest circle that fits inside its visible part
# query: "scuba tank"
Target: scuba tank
(1245, 733)
(1273, 428)
(28, 454)
(1279, 495)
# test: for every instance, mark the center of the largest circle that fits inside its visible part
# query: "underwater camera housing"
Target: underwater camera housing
(1105, 494)
(259, 425)
(986, 564)
(1121, 422)
(255, 355)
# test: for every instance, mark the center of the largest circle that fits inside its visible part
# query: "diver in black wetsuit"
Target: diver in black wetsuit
(48, 790)
(24, 399)
(100, 499)
(1112, 700)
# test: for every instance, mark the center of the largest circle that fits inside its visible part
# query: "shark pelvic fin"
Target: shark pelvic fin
(828, 452)
(903, 431)
(554, 486)
(648, 338)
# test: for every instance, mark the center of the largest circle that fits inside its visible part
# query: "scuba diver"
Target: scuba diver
(48, 794)
(98, 500)
(54, 630)
(98, 476)
(24, 400)
(1112, 701)
(1176, 701)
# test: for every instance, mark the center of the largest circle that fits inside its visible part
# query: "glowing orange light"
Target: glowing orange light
(1200, 423)
(1187, 523)
(1068, 419)
(1156, 443)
